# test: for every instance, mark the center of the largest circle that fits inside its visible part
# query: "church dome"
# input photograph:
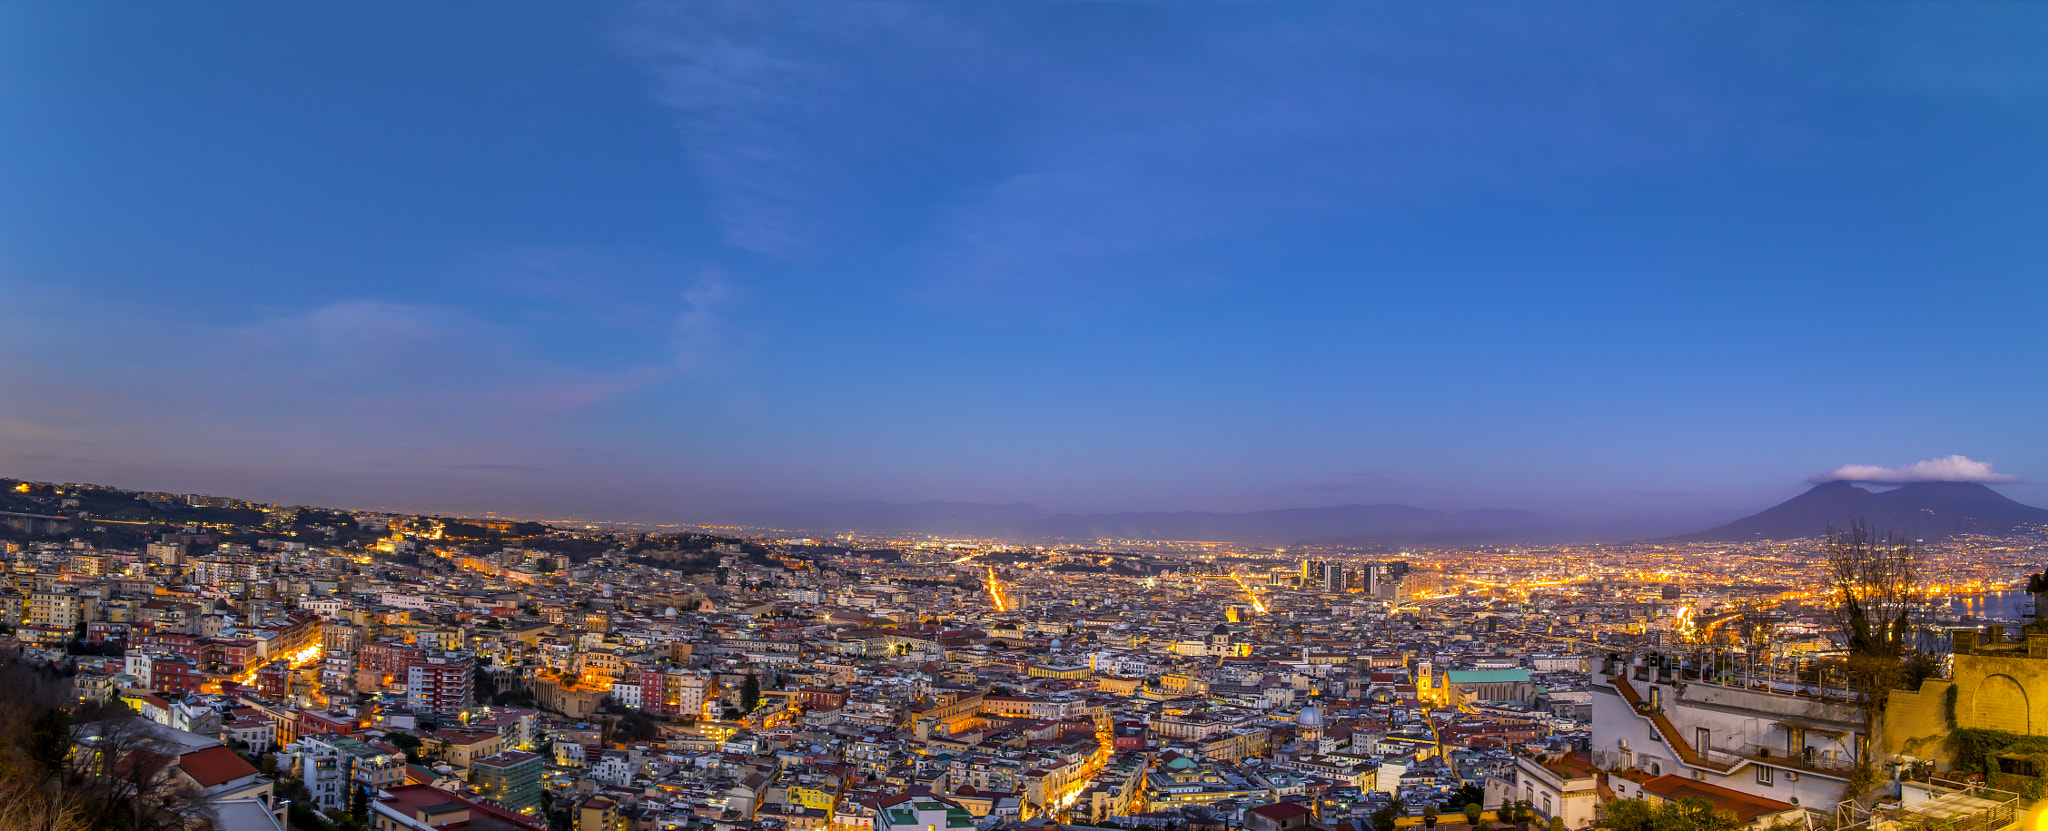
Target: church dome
(1310, 716)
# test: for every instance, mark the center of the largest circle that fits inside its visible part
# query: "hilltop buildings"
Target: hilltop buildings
(429, 671)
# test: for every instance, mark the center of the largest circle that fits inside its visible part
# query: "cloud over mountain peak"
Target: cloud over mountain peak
(1945, 469)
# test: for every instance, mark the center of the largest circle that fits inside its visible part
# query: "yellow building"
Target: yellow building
(1239, 744)
(811, 797)
(55, 610)
(599, 814)
(1998, 685)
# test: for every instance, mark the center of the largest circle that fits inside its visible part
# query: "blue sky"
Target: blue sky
(660, 261)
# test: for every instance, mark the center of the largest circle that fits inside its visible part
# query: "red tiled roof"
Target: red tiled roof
(1746, 807)
(215, 765)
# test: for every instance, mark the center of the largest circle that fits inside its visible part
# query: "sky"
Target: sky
(657, 262)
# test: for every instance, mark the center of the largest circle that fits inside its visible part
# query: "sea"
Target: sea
(2006, 605)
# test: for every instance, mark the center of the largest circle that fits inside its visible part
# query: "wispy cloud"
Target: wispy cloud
(702, 331)
(1044, 156)
(1944, 469)
(335, 385)
(773, 100)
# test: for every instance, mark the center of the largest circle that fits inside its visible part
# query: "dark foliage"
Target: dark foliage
(635, 726)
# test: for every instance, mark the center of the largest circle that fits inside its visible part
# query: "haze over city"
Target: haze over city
(1023, 415)
(1633, 270)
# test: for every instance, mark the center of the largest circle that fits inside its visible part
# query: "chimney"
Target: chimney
(1961, 641)
(1994, 633)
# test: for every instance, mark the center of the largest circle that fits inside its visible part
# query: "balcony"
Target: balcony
(1830, 766)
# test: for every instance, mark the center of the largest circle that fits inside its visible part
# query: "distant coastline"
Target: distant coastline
(2004, 604)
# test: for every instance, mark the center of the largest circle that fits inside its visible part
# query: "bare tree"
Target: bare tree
(28, 808)
(120, 782)
(1874, 582)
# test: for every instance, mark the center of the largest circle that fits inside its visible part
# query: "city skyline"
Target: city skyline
(665, 263)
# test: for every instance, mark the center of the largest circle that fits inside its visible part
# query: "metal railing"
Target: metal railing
(2001, 810)
(1777, 757)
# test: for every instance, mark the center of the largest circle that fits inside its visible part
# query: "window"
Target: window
(1764, 774)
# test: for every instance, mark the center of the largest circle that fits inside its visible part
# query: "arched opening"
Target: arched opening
(2001, 704)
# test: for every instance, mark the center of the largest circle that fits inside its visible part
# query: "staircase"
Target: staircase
(1665, 729)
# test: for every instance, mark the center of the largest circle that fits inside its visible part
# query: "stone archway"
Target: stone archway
(2000, 703)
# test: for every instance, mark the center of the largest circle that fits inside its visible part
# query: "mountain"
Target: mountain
(1921, 510)
(946, 519)
(1355, 523)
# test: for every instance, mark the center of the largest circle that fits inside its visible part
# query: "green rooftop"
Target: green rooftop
(1486, 676)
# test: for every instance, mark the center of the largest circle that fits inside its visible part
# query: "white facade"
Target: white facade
(325, 771)
(615, 768)
(404, 601)
(138, 664)
(1776, 746)
(1569, 790)
(322, 606)
(1560, 663)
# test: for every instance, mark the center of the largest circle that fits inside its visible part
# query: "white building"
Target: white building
(1560, 663)
(1773, 745)
(398, 600)
(325, 771)
(614, 768)
(1566, 788)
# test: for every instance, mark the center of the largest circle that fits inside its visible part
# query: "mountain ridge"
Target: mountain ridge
(1917, 510)
(1375, 523)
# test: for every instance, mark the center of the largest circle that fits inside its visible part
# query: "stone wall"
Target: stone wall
(1914, 722)
(1997, 688)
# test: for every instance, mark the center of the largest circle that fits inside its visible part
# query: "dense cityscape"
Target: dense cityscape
(362, 669)
(1011, 415)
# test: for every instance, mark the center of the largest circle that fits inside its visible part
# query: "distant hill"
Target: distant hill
(1921, 510)
(1374, 523)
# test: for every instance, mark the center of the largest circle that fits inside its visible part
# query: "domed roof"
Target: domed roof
(1310, 716)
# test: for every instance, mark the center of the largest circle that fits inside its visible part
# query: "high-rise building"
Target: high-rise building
(511, 779)
(441, 684)
(55, 610)
(1332, 578)
(1381, 581)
